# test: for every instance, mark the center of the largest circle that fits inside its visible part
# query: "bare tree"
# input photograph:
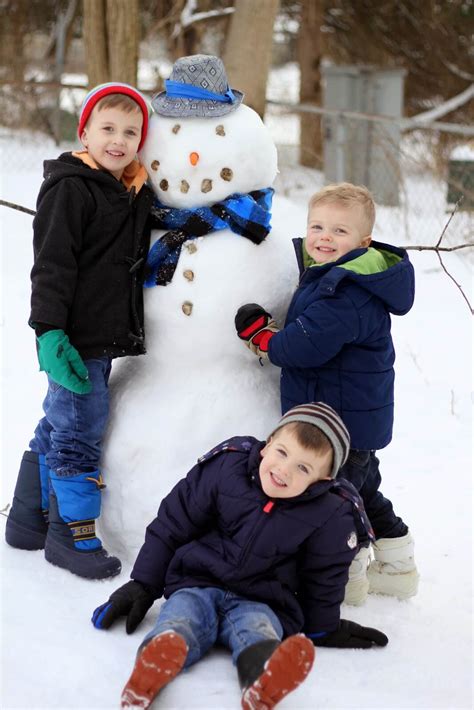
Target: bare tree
(248, 50)
(111, 37)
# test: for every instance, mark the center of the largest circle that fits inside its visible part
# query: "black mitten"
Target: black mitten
(132, 600)
(255, 326)
(352, 635)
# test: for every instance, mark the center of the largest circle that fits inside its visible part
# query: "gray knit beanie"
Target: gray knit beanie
(329, 422)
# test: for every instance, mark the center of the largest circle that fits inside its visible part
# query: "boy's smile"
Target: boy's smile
(111, 137)
(287, 468)
(334, 230)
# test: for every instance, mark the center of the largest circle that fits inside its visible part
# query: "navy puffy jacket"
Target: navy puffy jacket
(336, 346)
(217, 528)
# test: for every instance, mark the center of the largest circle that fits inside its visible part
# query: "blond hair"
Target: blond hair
(347, 195)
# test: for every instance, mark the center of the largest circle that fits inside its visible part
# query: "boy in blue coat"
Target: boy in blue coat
(252, 547)
(336, 346)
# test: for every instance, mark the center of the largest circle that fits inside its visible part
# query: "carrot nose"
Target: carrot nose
(193, 158)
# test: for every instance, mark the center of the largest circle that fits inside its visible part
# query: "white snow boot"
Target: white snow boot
(357, 587)
(393, 571)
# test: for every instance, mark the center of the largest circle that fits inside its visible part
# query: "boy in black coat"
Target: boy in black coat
(91, 237)
(252, 547)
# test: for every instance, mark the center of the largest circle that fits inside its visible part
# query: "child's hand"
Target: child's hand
(255, 327)
(62, 362)
(352, 635)
(131, 600)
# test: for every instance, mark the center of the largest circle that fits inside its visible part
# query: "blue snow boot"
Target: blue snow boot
(27, 522)
(71, 542)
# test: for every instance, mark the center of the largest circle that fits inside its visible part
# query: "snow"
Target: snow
(52, 657)
(463, 152)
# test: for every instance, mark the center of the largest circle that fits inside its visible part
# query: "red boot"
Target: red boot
(157, 663)
(268, 671)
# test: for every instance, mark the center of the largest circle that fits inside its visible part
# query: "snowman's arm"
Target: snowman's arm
(317, 334)
(184, 514)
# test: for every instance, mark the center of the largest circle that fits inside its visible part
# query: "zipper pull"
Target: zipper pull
(267, 508)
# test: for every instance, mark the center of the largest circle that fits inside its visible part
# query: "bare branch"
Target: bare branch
(457, 71)
(454, 281)
(455, 209)
(202, 16)
(437, 248)
(446, 107)
(14, 206)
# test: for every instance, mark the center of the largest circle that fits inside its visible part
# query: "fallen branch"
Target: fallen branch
(436, 248)
(14, 206)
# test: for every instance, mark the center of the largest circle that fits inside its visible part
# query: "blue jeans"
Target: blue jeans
(362, 470)
(206, 616)
(70, 433)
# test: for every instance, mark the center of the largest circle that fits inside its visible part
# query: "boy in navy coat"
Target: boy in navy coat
(251, 551)
(336, 347)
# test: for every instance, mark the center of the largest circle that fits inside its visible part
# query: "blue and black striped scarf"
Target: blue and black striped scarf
(247, 215)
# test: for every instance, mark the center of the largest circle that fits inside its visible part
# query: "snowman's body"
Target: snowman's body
(198, 383)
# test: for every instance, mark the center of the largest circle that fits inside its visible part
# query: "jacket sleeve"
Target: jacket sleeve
(324, 571)
(183, 516)
(317, 335)
(58, 227)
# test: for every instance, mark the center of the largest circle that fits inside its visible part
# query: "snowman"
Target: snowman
(211, 162)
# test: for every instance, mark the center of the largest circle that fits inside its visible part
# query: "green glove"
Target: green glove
(62, 362)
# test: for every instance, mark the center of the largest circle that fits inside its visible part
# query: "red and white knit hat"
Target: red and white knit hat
(329, 422)
(113, 87)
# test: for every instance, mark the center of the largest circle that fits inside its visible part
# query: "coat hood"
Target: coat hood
(68, 165)
(392, 280)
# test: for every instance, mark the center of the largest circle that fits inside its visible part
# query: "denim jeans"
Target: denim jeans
(70, 433)
(206, 616)
(362, 470)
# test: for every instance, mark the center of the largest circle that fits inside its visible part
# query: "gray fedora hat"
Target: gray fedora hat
(197, 87)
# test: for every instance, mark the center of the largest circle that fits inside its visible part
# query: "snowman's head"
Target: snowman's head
(200, 161)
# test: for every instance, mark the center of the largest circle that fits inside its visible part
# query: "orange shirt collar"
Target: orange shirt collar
(134, 174)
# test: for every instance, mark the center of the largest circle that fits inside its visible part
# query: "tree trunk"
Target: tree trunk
(123, 35)
(111, 36)
(95, 42)
(12, 33)
(309, 56)
(248, 51)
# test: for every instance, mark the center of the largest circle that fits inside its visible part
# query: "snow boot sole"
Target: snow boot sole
(157, 664)
(22, 537)
(96, 564)
(286, 668)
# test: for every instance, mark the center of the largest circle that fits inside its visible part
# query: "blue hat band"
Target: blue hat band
(189, 91)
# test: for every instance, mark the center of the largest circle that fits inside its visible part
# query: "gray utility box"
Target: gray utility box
(461, 177)
(361, 151)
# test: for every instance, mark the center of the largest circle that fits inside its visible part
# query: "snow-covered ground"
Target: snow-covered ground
(52, 657)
